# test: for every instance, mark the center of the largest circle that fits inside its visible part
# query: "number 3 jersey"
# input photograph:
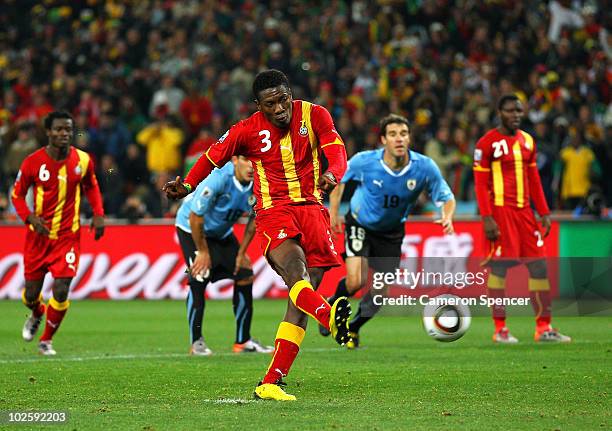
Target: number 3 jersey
(384, 197)
(287, 162)
(221, 199)
(505, 169)
(57, 185)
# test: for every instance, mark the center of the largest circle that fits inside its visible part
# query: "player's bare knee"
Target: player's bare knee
(245, 281)
(31, 295)
(353, 285)
(61, 288)
(537, 269)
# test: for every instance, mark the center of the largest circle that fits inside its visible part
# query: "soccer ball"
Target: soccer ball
(445, 318)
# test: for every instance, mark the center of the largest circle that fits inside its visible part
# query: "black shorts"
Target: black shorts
(223, 254)
(383, 249)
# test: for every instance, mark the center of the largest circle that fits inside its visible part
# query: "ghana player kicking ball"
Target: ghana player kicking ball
(284, 141)
(58, 173)
(506, 180)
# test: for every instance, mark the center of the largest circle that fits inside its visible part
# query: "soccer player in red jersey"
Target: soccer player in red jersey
(507, 181)
(58, 173)
(284, 141)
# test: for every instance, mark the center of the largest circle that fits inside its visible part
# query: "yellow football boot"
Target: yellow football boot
(270, 391)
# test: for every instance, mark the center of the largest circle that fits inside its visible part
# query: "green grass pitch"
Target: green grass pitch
(124, 365)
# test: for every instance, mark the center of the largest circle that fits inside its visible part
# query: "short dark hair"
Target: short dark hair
(56, 115)
(507, 98)
(391, 119)
(269, 79)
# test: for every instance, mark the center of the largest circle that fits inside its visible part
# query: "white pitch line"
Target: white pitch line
(130, 357)
(229, 401)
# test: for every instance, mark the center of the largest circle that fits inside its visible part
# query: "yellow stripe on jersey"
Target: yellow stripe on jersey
(62, 182)
(76, 220)
(498, 184)
(40, 197)
(211, 160)
(83, 164)
(337, 141)
(293, 182)
(306, 109)
(518, 171)
(266, 200)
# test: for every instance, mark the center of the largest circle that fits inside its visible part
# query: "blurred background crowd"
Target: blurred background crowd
(151, 84)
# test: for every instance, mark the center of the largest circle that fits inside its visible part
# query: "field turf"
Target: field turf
(123, 365)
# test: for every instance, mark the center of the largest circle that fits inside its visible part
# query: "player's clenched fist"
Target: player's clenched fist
(175, 189)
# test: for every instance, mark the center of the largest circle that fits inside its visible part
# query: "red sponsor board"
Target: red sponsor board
(144, 261)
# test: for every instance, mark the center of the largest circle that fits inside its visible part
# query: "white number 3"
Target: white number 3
(43, 173)
(266, 140)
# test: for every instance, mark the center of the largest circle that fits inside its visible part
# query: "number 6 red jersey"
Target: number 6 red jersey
(57, 188)
(287, 162)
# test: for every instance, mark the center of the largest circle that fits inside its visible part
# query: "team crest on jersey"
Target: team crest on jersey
(78, 170)
(303, 129)
(222, 138)
(252, 200)
(411, 184)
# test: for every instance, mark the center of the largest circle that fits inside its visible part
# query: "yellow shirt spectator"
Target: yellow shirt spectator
(163, 147)
(577, 161)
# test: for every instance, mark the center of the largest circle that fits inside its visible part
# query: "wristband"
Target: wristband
(188, 187)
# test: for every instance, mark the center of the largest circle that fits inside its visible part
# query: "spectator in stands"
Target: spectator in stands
(577, 161)
(162, 141)
(439, 63)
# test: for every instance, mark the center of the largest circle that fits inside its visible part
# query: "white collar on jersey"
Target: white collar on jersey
(391, 172)
(240, 186)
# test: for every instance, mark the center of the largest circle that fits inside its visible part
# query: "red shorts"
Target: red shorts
(520, 235)
(308, 224)
(59, 256)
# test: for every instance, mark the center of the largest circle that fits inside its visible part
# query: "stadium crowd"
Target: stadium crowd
(151, 84)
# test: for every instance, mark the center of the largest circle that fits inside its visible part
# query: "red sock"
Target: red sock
(39, 311)
(286, 347)
(541, 303)
(55, 315)
(498, 311)
(310, 302)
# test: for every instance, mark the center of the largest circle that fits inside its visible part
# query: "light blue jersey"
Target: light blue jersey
(221, 199)
(383, 197)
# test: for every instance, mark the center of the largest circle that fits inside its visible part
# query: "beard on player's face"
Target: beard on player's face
(276, 105)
